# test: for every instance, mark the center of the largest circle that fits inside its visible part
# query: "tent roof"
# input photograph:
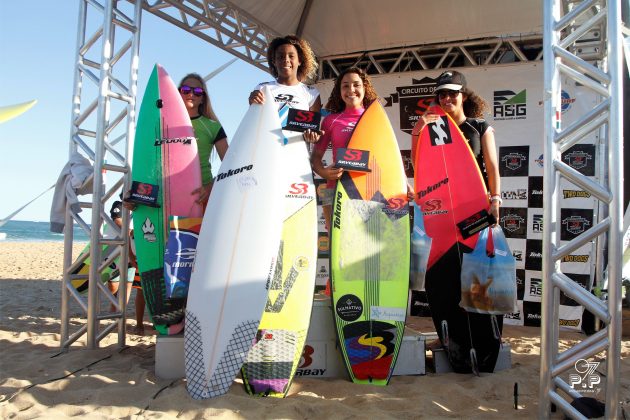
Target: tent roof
(337, 27)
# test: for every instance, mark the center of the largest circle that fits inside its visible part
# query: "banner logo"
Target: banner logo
(509, 105)
(565, 101)
(576, 224)
(413, 101)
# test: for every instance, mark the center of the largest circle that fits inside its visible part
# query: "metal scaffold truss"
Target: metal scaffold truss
(219, 23)
(571, 29)
(102, 127)
(481, 52)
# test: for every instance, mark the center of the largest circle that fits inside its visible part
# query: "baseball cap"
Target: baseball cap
(452, 80)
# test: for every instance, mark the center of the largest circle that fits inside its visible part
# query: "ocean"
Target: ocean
(26, 231)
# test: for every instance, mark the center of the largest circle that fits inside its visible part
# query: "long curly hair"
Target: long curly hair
(474, 105)
(205, 108)
(336, 104)
(307, 71)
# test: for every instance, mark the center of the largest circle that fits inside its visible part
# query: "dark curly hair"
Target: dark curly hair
(335, 104)
(474, 105)
(307, 72)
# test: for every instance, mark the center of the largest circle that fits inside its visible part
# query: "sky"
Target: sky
(37, 52)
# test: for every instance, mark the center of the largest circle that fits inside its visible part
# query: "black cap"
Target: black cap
(452, 80)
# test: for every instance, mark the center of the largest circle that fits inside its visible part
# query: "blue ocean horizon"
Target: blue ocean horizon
(29, 231)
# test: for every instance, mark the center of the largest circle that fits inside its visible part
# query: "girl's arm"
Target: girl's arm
(327, 172)
(222, 146)
(427, 118)
(492, 169)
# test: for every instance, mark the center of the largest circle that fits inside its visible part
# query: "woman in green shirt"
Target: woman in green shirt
(208, 130)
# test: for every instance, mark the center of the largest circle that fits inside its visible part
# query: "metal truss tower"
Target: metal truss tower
(569, 29)
(102, 128)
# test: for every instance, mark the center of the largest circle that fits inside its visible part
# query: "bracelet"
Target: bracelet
(496, 197)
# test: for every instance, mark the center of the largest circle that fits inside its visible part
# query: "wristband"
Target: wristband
(496, 197)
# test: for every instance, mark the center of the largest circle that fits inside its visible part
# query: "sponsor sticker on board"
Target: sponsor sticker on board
(143, 193)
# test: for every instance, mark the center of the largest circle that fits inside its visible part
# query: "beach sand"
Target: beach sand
(38, 380)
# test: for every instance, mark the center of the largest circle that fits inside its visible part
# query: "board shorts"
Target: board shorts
(326, 196)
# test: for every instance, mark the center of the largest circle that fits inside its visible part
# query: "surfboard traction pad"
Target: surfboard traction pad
(370, 347)
(198, 384)
(164, 311)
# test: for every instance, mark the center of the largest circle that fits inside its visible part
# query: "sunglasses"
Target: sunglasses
(447, 92)
(185, 90)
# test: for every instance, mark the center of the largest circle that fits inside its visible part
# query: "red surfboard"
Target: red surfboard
(449, 187)
(452, 196)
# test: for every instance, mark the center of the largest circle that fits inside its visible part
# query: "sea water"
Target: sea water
(27, 231)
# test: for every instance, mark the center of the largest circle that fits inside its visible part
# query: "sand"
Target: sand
(38, 380)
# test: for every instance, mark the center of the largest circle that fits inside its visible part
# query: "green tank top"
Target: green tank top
(207, 132)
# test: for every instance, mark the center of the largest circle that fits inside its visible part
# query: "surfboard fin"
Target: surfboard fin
(445, 333)
(473, 361)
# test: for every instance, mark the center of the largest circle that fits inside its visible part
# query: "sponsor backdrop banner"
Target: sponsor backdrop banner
(514, 93)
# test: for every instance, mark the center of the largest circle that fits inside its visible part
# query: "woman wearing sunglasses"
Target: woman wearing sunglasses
(292, 63)
(208, 130)
(466, 108)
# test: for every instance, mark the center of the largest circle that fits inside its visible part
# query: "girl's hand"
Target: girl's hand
(410, 193)
(204, 193)
(256, 97)
(331, 173)
(427, 118)
(312, 136)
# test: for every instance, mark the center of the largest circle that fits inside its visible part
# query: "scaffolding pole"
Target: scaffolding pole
(102, 129)
(565, 24)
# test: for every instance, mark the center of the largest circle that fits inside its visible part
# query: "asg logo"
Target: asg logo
(440, 133)
(565, 101)
(514, 160)
(586, 378)
(512, 222)
(576, 224)
(537, 223)
(535, 287)
(509, 105)
(577, 159)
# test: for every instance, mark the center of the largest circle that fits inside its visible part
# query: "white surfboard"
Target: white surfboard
(275, 355)
(236, 254)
